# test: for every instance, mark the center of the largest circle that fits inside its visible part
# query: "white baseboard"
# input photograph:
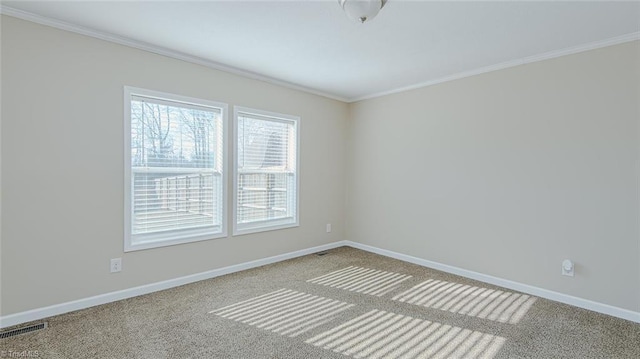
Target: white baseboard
(41, 313)
(525, 288)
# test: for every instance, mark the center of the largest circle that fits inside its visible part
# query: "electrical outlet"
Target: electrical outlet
(116, 265)
(328, 227)
(568, 268)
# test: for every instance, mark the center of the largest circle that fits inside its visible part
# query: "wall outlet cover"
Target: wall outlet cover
(116, 265)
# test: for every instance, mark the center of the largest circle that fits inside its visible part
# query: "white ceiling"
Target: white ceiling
(312, 44)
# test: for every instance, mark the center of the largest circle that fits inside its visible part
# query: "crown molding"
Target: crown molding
(140, 45)
(504, 65)
(42, 20)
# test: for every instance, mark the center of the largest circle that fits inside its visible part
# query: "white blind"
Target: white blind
(266, 171)
(176, 169)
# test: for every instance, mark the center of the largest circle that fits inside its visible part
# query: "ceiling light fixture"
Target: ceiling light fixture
(362, 10)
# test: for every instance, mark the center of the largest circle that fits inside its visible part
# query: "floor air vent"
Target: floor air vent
(14, 332)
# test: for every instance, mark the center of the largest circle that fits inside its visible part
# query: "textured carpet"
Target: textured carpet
(345, 304)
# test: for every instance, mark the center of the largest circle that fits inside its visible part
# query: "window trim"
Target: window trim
(277, 224)
(193, 235)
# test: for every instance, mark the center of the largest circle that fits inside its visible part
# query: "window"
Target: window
(265, 171)
(175, 174)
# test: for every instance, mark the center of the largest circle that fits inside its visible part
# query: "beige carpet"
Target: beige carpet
(345, 304)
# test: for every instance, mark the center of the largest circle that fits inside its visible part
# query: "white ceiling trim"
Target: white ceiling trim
(526, 60)
(24, 15)
(62, 25)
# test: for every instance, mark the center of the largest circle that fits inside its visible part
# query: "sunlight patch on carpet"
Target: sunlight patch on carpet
(493, 304)
(362, 280)
(380, 334)
(284, 311)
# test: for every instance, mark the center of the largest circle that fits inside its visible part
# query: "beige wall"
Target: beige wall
(62, 166)
(508, 173)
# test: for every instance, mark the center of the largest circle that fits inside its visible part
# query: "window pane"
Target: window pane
(262, 144)
(172, 136)
(165, 201)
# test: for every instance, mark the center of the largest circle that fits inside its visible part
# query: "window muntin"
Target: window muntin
(266, 171)
(175, 178)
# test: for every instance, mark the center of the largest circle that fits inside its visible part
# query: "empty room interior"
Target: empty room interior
(320, 179)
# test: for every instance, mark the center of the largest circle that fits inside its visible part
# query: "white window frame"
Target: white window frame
(187, 236)
(272, 224)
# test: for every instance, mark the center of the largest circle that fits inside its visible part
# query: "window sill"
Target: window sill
(158, 243)
(263, 228)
